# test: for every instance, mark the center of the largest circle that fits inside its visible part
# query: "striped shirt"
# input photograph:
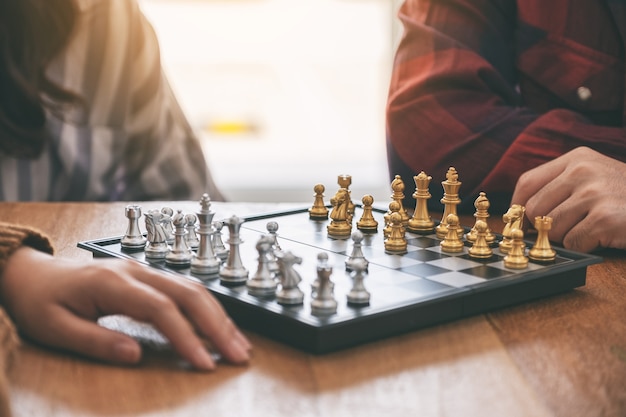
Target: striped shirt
(497, 87)
(130, 139)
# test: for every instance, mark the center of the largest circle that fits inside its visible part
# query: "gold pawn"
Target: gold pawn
(516, 258)
(481, 249)
(367, 223)
(542, 251)
(452, 243)
(396, 242)
(421, 222)
(318, 211)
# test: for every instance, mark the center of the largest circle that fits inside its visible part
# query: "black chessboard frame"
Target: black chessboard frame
(298, 327)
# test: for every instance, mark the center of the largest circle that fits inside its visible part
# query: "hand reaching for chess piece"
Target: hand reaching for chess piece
(585, 194)
(56, 302)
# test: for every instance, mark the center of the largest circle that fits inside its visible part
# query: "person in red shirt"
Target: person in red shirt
(526, 100)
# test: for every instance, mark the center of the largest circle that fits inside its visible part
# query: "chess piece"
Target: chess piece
(167, 223)
(514, 218)
(288, 292)
(219, 248)
(358, 295)
(421, 222)
(367, 223)
(480, 248)
(357, 252)
(452, 243)
(323, 301)
(394, 207)
(541, 250)
(396, 242)
(450, 201)
(234, 273)
(191, 237)
(516, 259)
(157, 246)
(482, 214)
(133, 239)
(397, 186)
(345, 181)
(318, 211)
(180, 255)
(205, 262)
(340, 225)
(322, 262)
(262, 282)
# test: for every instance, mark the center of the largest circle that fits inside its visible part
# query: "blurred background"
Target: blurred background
(284, 94)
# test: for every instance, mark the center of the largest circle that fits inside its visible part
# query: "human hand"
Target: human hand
(57, 302)
(585, 194)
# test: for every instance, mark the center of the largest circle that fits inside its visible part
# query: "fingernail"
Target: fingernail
(201, 359)
(240, 351)
(127, 351)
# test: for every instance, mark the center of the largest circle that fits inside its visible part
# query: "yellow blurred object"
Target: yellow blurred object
(230, 127)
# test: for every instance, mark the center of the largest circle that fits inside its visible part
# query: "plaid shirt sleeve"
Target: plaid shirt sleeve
(497, 87)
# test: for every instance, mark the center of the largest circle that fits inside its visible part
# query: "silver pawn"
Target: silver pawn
(167, 224)
(133, 238)
(180, 255)
(204, 262)
(322, 262)
(357, 252)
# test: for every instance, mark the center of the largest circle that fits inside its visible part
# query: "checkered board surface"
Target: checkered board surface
(423, 287)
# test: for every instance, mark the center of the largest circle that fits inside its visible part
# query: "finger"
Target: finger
(203, 311)
(531, 182)
(70, 332)
(145, 303)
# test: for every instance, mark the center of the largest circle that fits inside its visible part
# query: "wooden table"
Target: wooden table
(562, 356)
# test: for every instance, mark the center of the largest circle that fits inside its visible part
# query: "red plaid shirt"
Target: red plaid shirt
(496, 87)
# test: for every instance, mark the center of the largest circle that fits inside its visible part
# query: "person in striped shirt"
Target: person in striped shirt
(525, 98)
(86, 112)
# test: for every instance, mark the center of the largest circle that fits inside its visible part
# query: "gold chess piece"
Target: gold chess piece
(514, 219)
(396, 242)
(421, 222)
(345, 181)
(450, 201)
(480, 248)
(452, 243)
(482, 213)
(397, 185)
(367, 223)
(542, 251)
(516, 259)
(394, 207)
(318, 211)
(340, 225)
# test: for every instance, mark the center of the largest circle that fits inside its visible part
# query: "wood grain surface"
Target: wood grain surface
(560, 356)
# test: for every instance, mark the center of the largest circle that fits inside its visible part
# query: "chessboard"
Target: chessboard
(422, 287)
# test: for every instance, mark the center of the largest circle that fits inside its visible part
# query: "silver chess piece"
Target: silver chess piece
(288, 293)
(357, 251)
(234, 273)
(358, 295)
(263, 283)
(167, 223)
(323, 301)
(180, 255)
(157, 246)
(133, 238)
(191, 237)
(204, 262)
(218, 245)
